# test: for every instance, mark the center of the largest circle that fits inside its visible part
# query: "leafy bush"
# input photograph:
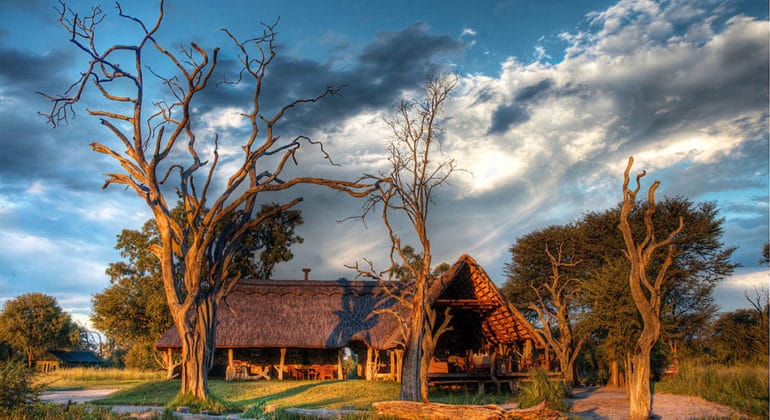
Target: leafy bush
(16, 387)
(543, 388)
(744, 387)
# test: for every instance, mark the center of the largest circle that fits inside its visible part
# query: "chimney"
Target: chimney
(306, 270)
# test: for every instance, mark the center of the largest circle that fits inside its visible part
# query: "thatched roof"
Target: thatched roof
(467, 286)
(331, 314)
(300, 314)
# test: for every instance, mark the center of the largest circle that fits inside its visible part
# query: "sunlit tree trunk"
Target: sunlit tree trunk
(645, 292)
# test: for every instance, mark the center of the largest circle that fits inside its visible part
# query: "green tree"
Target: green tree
(765, 260)
(732, 339)
(402, 273)
(133, 312)
(544, 281)
(33, 323)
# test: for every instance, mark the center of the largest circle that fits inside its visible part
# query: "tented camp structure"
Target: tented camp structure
(309, 329)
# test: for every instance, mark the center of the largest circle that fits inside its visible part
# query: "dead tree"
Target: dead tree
(413, 176)
(553, 307)
(645, 289)
(158, 148)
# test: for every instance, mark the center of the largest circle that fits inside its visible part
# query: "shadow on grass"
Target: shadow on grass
(157, 393)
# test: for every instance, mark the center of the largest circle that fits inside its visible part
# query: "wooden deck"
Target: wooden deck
(480, 379)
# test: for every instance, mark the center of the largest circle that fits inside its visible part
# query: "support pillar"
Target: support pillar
(280, 364)
(399, 363)
(368, 369)
(339, 364)
(230, 371)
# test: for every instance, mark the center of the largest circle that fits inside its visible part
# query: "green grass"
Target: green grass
(744, 388)
(357, 394)
(300, 394)
(90, 378)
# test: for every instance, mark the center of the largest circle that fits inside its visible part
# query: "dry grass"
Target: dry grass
(744, 387)
(91, 378)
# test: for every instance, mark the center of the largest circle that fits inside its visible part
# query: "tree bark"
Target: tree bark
(646, 291)
(411, 371)
(198, 344)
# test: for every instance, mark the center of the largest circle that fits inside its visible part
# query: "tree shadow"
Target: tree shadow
(359, 313)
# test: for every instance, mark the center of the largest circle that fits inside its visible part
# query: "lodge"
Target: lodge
(311, 329)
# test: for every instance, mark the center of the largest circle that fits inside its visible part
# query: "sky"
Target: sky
(552, 98)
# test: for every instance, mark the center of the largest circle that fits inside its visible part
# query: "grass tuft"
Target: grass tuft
(543, 388)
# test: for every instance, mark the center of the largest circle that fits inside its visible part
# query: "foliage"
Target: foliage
(32, 323)
(50, 411)
(743, 387)
(765, 259)
(701, 262)
(402, 272)
(550, 288)
(16, 386)
(542, 387)
(133, 311)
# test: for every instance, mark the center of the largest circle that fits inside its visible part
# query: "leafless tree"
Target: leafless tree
(645, 289)
(555, 299)
(158, 147)
(417, 168)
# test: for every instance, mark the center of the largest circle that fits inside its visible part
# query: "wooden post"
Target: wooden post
(399, 363)
(280, 364)
(230, 371)
(368, 369)
(392, 365)
(339, 364)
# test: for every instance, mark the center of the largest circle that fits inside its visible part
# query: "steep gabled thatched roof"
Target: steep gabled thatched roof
(467, 286)
(331, 314)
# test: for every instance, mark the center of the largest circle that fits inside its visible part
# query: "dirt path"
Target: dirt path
(609, 403)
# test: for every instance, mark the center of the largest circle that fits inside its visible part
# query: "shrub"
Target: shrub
(49, 411)
(543, 388)
(16, 388)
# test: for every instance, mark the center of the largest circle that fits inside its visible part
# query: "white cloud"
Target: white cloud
(468, 32)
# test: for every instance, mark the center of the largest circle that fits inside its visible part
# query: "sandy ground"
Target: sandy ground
(609, 403)
(589, 404)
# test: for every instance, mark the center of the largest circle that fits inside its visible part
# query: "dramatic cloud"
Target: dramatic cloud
(682, 86)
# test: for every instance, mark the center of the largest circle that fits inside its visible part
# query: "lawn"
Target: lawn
(357, 394)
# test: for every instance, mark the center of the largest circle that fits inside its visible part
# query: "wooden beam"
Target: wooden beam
(368, 363)
(339, 364)
(280, 364)
(230, 371)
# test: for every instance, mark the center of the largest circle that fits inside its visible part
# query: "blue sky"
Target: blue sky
(552, 99)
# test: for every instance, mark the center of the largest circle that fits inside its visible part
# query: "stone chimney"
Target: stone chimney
(306, 270)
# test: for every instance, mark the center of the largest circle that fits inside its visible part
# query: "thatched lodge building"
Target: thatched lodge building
(310, 329)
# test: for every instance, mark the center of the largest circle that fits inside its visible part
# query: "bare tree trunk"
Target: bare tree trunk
(645, 291)
(198, 344)
(412, 376)
(614, 379)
